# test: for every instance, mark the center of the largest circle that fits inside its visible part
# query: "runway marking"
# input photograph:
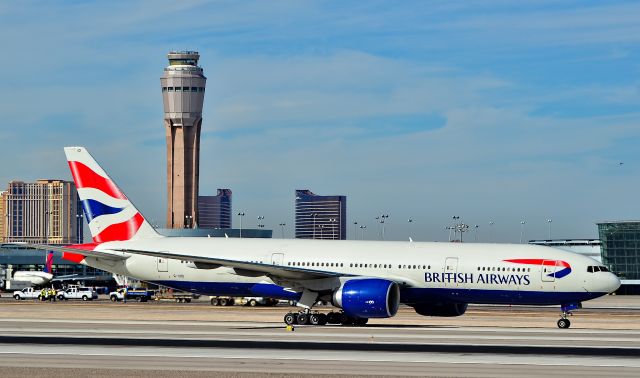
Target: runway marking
(329, 356)
(129, 332)
(459, 329)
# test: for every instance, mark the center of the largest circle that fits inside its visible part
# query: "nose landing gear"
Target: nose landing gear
(566, 311)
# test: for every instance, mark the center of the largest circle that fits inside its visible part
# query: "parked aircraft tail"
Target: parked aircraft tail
(110, 214)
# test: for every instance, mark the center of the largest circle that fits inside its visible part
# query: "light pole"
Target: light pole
(476, 238)
(188, 223)
(333, 227)
(455, 228)
(355, 230)
(522, 223)
(549, 222)
(282, 227)
(410, 221)
(491, 231)
(314, 224)
(362, 228)
(259, 221)
(382, 221)
(241, 214)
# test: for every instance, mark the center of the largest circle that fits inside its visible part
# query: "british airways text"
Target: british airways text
(484, 278)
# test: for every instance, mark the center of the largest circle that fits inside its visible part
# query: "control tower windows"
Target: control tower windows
(185, 89)
(178, 89)
(170, 89)
(164, 89)
(183, 62)
(201, 89)
(194, 89)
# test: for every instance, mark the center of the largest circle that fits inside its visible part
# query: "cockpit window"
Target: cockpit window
(590, 269)
(604, 269)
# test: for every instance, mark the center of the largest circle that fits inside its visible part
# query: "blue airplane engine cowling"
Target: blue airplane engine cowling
(368, 298)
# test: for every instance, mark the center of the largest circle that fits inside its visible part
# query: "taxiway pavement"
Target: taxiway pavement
(169, 339)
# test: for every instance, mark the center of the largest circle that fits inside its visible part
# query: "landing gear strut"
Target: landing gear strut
(566, 311)
(307, 317)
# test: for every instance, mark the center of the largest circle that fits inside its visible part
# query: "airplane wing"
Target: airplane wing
(77, 249)
(243, 267)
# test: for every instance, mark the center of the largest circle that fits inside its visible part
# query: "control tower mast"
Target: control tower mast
(183, 85)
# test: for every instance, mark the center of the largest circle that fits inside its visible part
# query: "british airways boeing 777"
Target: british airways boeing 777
(366, 279)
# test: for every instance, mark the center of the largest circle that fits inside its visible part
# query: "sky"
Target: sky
(493, 111)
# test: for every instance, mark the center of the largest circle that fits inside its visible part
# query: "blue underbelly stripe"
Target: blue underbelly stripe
(407, 295)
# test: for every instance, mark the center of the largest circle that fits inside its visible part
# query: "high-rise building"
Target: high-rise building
(3, 217)
(183, 84)
(215, 211)
(320, 217)
(47, 211)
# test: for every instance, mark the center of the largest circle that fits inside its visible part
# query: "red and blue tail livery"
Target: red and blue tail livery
(110, 214)
(554, 268)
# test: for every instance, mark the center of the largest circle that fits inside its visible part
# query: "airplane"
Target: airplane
(35, 277)
(365, 279)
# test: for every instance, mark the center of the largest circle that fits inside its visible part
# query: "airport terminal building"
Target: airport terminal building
(621, 251)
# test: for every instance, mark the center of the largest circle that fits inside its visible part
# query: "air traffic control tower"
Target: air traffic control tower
(183, 85)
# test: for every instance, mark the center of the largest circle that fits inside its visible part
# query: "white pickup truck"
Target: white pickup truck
(26, 293)
(84, 293)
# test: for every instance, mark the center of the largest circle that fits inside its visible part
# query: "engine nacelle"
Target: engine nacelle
(447, 309)
(368, 298)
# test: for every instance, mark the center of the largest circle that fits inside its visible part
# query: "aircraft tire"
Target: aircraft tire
(223, 301)
(361, 321)
(323, 319)
(214, 302)
(290, 319)
(253, 303)
(564, 323)
(314, 319)
(302, 318)
(346, 320)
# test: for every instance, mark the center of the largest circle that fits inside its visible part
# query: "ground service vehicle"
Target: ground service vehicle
(84, 293)
(26, 293)
(140, 295)
(365, 279)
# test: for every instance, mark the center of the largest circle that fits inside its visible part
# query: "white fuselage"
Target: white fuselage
(36, 278)
(469, 273)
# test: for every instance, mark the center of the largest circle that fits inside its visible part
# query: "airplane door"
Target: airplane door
(277, 258)
(450, 266)
(163, 264)
(548, 270)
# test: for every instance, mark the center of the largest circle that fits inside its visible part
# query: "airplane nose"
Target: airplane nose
(614, 283)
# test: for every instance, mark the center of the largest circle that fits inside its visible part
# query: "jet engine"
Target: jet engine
(368, 298)
(446, 309)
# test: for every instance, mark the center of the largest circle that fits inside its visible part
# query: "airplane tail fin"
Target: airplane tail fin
(49, 262)
(110, 214)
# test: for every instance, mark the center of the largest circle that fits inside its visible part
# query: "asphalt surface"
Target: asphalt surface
(163, 339)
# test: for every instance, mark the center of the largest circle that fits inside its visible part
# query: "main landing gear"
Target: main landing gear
(317, 318)
(563, 322)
